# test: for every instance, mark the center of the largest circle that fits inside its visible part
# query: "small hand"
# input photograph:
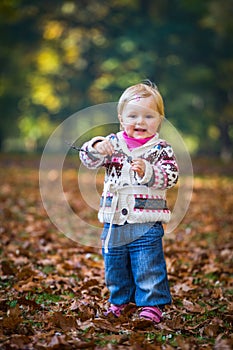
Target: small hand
(104, 147)
(138, 165)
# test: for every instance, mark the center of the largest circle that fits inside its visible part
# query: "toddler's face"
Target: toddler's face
(140, 118)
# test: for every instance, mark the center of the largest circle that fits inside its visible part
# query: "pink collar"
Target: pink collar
(134, 143)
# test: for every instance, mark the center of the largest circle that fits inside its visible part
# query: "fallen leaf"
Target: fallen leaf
(66, 323)
(12, 320)
(193, 307)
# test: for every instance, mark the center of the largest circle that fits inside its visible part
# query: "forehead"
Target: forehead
(142, 105)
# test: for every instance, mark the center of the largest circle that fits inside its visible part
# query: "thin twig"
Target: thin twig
(129, 158)
(78, 148)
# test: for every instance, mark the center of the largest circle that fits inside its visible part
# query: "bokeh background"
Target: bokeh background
(58, 57)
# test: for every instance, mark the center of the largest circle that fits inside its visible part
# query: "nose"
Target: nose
(140, 120)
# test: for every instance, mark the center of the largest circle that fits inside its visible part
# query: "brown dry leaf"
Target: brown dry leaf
(26, 273)
(193, 307)
(12, 320)
(19, 341)
(75, 305)
(52, 288)
(176, 323)
(90, 344)
(211, 330)
(85, 311)
(183, 287)
(57, 342)
(183, 344)
(142, 324)
(26, 286)
(66, 323)
(217, 293)
(223, 344)
(105, 325)
(31, 303)
(8, 267)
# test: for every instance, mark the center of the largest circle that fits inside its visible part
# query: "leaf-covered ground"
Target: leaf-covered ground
(52, 291)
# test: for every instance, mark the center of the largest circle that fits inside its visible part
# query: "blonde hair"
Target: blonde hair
(144, 89)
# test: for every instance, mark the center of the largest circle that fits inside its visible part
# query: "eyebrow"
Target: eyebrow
(135, 111)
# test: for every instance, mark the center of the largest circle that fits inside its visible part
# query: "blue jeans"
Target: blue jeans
(136, 271)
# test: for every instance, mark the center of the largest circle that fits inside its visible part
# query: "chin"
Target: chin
(141, 135)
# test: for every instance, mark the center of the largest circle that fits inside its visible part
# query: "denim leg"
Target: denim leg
(118, 275)
(149, 269)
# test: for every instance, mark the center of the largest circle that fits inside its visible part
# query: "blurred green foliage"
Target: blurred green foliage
(58, 57)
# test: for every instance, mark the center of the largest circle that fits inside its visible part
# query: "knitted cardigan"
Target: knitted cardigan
(126, 197)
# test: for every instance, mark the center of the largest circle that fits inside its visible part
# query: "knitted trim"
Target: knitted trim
(151, 313)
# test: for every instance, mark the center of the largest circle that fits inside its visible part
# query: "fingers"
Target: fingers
(104, 147)
(138, 165)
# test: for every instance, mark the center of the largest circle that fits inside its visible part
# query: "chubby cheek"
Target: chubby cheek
(129, 129)
(153, 128)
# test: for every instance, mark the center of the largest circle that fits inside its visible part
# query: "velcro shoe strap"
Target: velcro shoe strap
(151, 313)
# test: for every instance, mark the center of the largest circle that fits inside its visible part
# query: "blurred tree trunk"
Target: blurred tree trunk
(226, 144)
(144, 6)
(1, 141)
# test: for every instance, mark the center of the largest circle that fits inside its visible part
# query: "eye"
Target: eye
(149, 116)
(132, 116)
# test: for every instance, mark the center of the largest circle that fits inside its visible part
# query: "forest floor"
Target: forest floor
(52, 291)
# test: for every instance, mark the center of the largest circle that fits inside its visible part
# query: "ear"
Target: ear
(160, 124)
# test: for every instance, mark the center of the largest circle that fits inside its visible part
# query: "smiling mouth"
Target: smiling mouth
(140, 129)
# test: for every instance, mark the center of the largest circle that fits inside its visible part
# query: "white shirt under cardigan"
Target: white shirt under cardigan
(126, 197)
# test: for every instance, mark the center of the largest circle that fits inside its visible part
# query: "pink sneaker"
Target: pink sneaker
(151, 313)
(116, 310)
